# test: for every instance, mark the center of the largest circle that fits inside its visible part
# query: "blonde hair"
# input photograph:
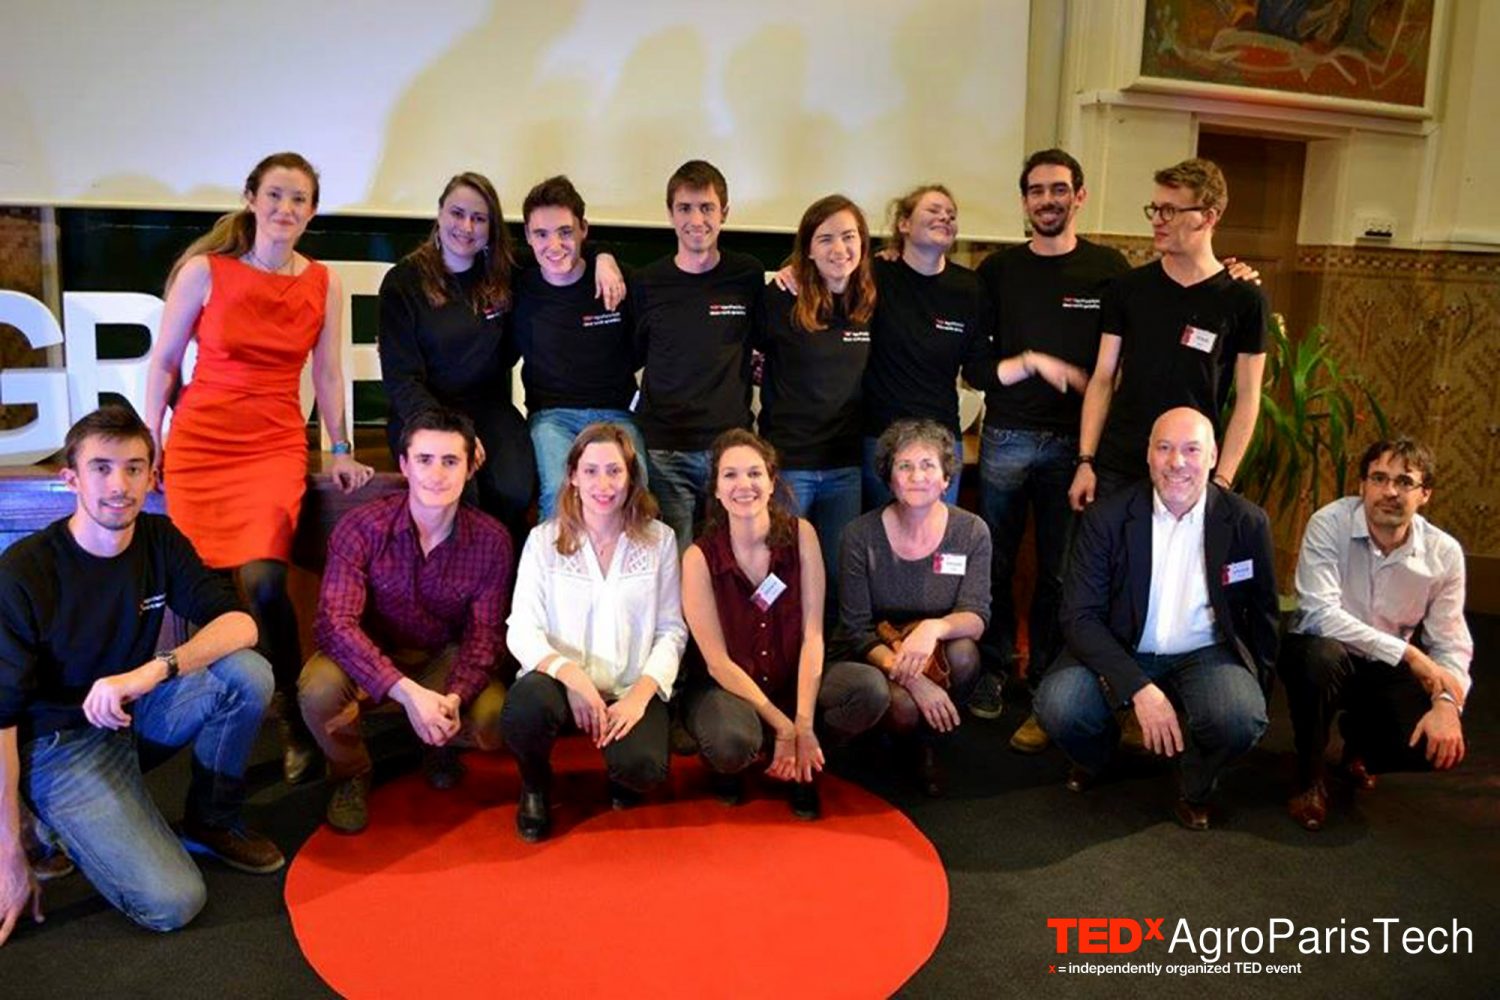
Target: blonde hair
(902, 207)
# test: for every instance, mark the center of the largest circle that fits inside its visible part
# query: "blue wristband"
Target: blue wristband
(343, 448)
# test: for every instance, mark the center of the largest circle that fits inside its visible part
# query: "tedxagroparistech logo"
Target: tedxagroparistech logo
(1200, 950)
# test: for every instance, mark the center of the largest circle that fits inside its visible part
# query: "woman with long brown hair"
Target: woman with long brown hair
(235, 462)
(752, 591)
(596, 626)
(816, 345)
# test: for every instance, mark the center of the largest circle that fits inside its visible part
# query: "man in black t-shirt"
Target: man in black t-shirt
(1046, 294)
(579, 354)
(87, 700)
(695, 313)
(1177, 332)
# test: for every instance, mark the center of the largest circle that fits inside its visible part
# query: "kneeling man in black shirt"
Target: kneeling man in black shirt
(88, 700)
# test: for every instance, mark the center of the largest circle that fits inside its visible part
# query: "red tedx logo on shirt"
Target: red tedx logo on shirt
(1105, 935)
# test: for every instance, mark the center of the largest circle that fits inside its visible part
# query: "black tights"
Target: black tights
(264, 584)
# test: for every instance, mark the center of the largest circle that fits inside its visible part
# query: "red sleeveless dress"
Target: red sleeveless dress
(236, 454)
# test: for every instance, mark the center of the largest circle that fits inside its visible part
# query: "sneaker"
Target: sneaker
(348, 806)
(236, 846)
(805, 801)
(986, 702)
(1030, 737)
(442, 768)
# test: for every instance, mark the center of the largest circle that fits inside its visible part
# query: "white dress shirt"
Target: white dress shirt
(1372, 602)
(1178, 616)
(616, 626)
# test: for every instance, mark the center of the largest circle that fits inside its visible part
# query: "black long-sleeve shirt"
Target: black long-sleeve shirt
(444, 355)
(926, 328)
(578, 354)
(693, 332)
(811, 393)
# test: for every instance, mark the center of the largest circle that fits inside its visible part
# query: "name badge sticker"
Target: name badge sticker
(1238, 572)
(1198, 338)
(950, 564)
(765, 595)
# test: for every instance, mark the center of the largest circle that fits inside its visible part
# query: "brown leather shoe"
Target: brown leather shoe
(236, 846)
(1078, 779)
(1191, 816)
(1309, 807)
(52, 866)
(1359, 774)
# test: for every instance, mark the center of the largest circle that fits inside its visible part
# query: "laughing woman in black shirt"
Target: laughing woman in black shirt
(927, 326)
(816, 345)
(443, 341)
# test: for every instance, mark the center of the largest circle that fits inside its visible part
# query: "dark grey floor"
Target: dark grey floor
(1019, 850)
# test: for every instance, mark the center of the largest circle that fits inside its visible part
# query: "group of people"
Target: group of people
(773, 596)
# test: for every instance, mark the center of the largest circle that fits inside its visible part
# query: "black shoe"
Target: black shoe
(1078, 779)
(728, 788)
(532, 820)
(806, 803)
(622, 798)
(442, 768)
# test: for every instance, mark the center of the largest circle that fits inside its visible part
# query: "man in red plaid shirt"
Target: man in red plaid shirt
(413, 608)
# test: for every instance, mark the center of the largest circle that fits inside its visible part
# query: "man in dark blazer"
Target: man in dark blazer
(1169, 608)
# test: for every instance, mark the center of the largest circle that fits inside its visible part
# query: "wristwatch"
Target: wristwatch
(169, 657)
(1084, 460)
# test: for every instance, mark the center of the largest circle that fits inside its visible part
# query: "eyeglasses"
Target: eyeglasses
(1403, 482)
(1169, 212)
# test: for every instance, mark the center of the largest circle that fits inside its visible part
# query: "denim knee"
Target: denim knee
(1234, 730)
(166, 906)
(248, 676)
(1070, 707)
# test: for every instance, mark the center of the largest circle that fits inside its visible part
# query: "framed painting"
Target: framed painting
(1369, 56)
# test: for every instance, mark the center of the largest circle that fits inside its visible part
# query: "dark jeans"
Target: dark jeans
(1021, 470)
(731, 735)
(906, 719)
(536, 711)
(1381, 703)
(86, 785)
(1220, 707)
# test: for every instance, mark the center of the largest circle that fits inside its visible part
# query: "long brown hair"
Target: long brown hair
(902, 207)
(814, 308)
(492, 292)
(783, 521)
(233, 235)
(639, 507)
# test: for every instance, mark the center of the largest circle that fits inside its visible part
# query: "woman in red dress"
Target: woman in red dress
(235, 463)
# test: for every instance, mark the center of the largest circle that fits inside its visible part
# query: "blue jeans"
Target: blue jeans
(1021, 470)
(679, 480)
(829, 499)
(878, 493)
(86, 785)
(1220, 709)
(552, 434)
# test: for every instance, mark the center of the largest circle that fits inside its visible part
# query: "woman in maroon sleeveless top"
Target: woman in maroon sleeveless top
(752, 593)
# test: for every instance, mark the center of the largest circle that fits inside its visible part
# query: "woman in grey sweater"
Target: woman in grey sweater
(914, 590)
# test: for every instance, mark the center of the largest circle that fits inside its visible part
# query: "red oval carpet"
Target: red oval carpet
(683, 896)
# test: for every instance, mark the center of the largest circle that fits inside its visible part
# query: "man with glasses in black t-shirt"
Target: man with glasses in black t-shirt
(1176, 332)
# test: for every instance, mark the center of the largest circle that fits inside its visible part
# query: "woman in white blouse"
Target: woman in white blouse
(596, 625)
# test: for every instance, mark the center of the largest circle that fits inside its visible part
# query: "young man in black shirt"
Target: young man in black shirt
(1046, 294)
(1178, 332)
(579, 354)
(695, 313)
(87, 700)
